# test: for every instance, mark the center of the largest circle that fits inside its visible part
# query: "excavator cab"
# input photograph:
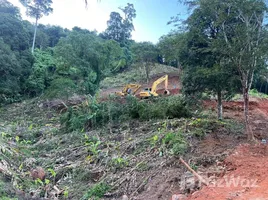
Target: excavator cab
(129, 89)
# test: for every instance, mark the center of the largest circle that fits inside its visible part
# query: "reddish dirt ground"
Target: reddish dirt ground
(246, 177)
(246, 170)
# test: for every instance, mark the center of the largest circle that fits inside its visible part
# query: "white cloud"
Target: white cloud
(70, 13)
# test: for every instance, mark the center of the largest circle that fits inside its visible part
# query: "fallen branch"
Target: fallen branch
(194, 172)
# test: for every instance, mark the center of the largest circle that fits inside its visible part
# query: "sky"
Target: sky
(150, 23)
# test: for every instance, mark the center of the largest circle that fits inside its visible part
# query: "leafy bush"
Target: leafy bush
(42, 72)
(97, 191)
(255, 93)
(177, 107)
(119, 163)
(117, 110)
(175, 142)
(61, 87)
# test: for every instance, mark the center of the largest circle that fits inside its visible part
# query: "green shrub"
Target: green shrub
(97, 191)
(177, 108)
(255, 93)
(116, 110)
(119, 163)
(61, 88)
(175, 142)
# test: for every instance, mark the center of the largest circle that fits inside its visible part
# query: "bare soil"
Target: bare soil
(246, 174)
(221, 154)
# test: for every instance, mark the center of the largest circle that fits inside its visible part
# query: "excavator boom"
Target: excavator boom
(152, 91)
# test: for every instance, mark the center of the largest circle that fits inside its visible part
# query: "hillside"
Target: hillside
(136, 158)
(120, 159)
(196, 132)
(136, 74)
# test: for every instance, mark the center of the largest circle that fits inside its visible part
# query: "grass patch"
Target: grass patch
(255, 93)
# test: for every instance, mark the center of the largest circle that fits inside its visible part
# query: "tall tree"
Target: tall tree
(10, 70)
(239, 26)
(114, 29)
(171, 47)
(127, 24)
(86, 59)
(37, 9)
(146, 53)
(242, 23)
(120, 28)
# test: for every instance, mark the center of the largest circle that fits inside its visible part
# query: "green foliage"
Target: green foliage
(175, 142)
(255, 93)
(42, 72)
(119, 28)
(7, 8)
(61, 88)
(144, 52)
(172, 46)
(52, 172)
(154, 140)
(86, 59)
(97, 191)
(5, 192)
(37, 9)
(93, 147)
(119, 163)
(66, 193)
(10, 70)
(39, 182)
(177, 108)
(81, 117)
(94, 114)
(201, 126)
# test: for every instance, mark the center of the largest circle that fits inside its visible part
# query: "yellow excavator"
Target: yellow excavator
(148, 92)
(129, 89)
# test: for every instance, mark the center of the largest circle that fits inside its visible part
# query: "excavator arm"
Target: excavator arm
(152, 91)
(158, 81)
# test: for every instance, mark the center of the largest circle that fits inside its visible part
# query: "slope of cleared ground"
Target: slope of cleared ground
(245, 175)
(135, 158)
(137, 75)
(138, 159)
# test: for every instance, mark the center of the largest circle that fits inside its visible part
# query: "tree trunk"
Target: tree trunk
(266, 86)
(261, 86)
(246, 113)
(147, 71)
(219, 105)
(35, 28)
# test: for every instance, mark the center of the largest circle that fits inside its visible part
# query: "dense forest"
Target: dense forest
(64, 61)
(75, 61)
